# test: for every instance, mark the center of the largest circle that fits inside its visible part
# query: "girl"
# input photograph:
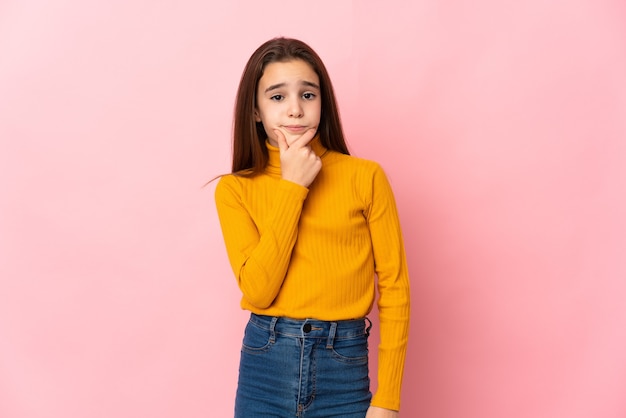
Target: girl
(307, 229)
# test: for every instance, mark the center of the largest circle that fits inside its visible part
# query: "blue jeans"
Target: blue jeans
(303, 368)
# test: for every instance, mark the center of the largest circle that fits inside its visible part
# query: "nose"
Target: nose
(295, 109)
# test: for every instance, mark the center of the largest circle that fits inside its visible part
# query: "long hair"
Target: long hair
(249, 151)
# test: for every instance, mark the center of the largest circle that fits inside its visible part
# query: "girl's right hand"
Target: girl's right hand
(298, 162)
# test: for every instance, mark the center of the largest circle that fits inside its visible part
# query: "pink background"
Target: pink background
(501, 124)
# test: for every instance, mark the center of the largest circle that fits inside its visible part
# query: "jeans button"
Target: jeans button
(307, 328)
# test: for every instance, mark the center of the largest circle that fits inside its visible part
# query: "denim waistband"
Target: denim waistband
(313, 327)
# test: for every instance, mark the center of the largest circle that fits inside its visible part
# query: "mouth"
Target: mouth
(295, 129)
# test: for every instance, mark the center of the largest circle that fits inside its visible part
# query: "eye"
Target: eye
(277, 97)
(309, 96)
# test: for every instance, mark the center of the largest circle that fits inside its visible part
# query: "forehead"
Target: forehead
(288, 71)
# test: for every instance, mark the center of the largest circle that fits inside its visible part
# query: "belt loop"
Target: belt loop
(331, 335)
(369, 326)
(273, 329)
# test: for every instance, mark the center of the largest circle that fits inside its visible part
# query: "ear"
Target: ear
(257, 116)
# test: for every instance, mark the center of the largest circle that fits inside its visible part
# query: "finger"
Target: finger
(304, 139)
(282, 141)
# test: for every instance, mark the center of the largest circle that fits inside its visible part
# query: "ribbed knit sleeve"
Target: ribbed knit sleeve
(393, 288)
(259, 254)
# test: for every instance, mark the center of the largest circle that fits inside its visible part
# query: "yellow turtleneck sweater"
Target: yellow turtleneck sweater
(315, 253)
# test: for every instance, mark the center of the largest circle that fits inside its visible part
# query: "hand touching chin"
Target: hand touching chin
(294, 135)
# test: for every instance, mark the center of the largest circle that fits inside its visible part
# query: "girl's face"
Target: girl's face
(288, 99)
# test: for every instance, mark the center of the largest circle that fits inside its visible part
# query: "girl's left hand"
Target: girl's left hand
(376, 412)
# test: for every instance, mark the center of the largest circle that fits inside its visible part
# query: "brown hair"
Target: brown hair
(249, 151)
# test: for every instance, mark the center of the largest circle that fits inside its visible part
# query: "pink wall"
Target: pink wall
(502, 126)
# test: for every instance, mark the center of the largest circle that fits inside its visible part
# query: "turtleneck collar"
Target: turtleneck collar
(273, 165)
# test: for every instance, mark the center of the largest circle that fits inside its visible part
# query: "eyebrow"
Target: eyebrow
(280, 85)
